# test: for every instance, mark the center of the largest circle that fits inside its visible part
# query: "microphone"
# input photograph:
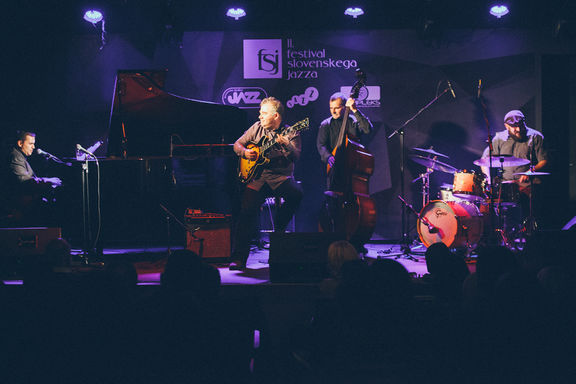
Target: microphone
(450, 88)
(432, 229)
(479, 88)
(51, 157)
(44, 153)
(84, 150)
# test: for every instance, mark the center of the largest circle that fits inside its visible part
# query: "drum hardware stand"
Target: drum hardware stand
(425, 177)
(406, 249)
(400, 131)
(187, 228)
(492, 230)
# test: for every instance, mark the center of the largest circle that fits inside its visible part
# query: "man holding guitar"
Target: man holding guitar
(267, 151)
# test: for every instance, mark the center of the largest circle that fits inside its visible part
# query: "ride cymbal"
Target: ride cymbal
(501, 161)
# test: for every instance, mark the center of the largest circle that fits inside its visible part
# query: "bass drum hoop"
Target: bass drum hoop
(459, 223)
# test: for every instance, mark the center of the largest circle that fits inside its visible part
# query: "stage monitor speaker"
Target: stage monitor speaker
(18, 243)
(300, 257)
(210, 237)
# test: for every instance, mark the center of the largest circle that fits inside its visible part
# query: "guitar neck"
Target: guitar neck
(270, 143)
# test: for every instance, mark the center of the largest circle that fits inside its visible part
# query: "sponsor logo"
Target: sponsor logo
(310, 94)
(263, 59)
(369, 96)
(244, 97)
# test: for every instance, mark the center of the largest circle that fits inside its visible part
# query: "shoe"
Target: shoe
(236, 266)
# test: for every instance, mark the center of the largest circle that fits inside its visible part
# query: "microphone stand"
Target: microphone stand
(91, 245)
(86, 219)
(400, 131)
(492, 230)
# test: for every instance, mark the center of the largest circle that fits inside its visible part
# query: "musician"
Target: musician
(276, 178)
(23, 190)
(329, 130)
(327, 139)
(520, 141)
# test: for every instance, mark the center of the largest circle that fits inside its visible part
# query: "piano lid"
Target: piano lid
(144, 117)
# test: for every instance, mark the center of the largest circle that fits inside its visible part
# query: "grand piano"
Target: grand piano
(164, 149)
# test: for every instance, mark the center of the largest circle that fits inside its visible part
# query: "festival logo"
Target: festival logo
(244, 97)
(263, 59)
(369, 96)
(310, 94)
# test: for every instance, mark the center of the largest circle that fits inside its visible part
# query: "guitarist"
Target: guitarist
(329, 129)
(276, 178)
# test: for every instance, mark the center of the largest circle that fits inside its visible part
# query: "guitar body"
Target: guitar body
(248, 169)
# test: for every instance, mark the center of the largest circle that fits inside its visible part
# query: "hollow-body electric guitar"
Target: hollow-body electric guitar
(248, 169)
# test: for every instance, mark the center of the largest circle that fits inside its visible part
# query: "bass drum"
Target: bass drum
(454, 223)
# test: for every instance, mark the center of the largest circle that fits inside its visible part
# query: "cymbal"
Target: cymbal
(533, 173)
(431, 151)
(434, 164)
(501, 161)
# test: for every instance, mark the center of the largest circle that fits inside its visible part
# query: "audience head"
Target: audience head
(186, 271)
(340, 252)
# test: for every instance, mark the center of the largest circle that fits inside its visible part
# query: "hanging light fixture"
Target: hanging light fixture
(499, 10)
(94, 17)
(235, 13)
(354, 12)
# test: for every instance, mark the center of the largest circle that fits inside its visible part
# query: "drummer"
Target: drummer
(521, 142)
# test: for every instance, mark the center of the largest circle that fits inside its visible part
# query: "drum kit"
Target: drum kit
(462, 214)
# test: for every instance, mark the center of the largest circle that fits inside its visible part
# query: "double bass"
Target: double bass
(350, 209)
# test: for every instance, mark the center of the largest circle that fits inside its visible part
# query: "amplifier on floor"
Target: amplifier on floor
(208, 234)
(299, 257)
(18, 243)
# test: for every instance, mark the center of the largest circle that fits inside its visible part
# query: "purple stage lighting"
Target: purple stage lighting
(236, 13)
(93, 16)
(499, 10)
(354, 12)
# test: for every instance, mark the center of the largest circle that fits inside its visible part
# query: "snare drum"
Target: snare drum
(507, 193)
(456, 224)
(469, 185)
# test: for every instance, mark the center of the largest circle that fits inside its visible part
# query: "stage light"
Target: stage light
(499, 10)
(354, 12)
(236, 13)
(93, 16)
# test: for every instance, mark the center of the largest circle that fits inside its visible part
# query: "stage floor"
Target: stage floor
(257, 268)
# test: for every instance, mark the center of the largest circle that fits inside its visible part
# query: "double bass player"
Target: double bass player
(348, 208)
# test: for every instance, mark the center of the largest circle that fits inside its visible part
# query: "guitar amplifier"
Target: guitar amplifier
(16, 244)
(208, 234)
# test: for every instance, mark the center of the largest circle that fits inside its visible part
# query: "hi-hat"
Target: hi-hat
(501, 161)
(433, 164)
(431, 151)
(533, 173)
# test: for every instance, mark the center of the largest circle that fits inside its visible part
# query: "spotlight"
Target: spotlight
(499, 10)
(236, 13)
(354, 12)
(93, 16)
